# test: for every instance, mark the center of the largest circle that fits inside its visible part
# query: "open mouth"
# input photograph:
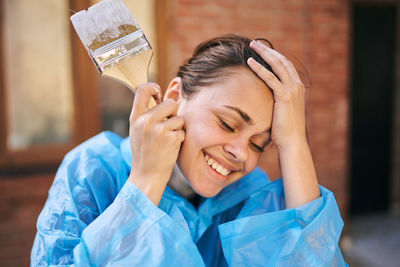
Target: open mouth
(216, 166)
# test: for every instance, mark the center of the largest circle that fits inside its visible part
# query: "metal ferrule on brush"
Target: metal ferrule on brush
(120, 50)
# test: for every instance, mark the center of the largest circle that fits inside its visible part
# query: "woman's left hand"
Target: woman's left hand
(288, 124)
(288, 132)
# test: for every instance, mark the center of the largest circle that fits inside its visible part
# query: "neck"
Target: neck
(179, 184)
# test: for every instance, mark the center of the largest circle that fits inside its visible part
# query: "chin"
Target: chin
(207, 193)
(208, 188)
(205, 189)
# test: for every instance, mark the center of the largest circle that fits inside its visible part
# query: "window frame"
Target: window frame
(86, 110)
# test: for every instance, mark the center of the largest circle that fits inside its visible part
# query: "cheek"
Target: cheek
(252, 162)
(197, 134)
(200, 132)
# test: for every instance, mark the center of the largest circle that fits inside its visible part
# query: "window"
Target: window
(48, 85)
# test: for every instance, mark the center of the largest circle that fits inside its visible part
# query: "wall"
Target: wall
(21, 200)
(314, 32)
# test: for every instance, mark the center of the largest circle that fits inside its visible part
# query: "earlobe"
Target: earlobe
(174, 90)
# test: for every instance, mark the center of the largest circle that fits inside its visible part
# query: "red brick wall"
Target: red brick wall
(329, 103)
(315, 32)
(21, 200)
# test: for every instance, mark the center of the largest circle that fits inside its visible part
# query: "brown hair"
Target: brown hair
(215, 58)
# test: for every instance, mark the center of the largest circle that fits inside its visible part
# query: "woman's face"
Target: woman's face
(227, 125)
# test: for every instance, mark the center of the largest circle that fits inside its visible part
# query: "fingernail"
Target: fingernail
(256, 43)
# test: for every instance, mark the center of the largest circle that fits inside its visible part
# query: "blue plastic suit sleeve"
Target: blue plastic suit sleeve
(94, 217)
(84, 186)
(267, 234)
(134, 232)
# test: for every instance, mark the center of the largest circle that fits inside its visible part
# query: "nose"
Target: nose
(237, 149)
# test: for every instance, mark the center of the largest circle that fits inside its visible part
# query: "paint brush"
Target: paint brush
(115, 42)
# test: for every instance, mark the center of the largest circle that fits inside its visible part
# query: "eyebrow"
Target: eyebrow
(242, 114)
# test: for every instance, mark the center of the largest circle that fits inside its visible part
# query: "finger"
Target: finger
(173, 123)
(175, 138)
(180, 136)
(142, 97)
(268, 77)
(293, 72)
(163, 110)
(278, 62)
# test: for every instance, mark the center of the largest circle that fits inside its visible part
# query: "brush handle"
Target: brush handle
(132, 72)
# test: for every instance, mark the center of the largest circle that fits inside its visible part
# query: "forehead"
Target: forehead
(241, 88)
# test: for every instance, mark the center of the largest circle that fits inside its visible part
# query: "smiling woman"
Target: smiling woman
(184, 187)
(237, 113)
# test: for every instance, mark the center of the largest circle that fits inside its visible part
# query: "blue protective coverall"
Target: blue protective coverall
(93, 217)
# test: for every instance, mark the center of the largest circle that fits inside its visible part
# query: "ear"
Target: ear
(174, 90)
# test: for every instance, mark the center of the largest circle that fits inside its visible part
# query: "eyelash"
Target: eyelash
(225, 126)
(256, 147)
(228, 128)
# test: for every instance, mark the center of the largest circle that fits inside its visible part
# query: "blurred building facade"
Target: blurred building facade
(319, 34)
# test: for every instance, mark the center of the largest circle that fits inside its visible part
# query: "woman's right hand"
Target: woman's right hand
(156, 136)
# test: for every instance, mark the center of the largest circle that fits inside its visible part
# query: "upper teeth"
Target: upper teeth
(216, 166)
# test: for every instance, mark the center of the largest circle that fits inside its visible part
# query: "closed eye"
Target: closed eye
(256, 148)
(225, 126)
(228, 128)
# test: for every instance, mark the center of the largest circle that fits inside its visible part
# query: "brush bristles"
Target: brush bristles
(103, 23)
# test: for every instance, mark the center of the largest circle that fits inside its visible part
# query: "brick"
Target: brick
(22, 199)
(316, 32)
